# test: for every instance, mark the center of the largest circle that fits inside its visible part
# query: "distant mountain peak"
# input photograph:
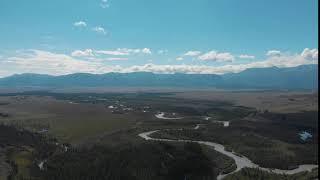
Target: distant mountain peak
(301, 77)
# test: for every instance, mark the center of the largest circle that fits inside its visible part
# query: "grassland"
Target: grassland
(23, 161)
(74, 117)
(85, 120)
(273, 101)
(64, 120)
(265, 143)
(256, 174)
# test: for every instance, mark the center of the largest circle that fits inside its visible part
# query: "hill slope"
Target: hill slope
(301, 77)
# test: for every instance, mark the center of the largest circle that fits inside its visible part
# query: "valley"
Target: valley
(80, 127)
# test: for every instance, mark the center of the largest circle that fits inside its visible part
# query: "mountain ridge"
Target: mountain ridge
(259, 78)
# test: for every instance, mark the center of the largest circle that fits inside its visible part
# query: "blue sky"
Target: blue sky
(193, 36)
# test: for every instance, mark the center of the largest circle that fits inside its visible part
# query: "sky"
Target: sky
(161, 36)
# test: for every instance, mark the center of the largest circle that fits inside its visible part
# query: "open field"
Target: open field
(263, 139)
(274, 101)
(255, 174)
(5, 167)
(69, 122)
(23, 160)
(277, 101)
(114, 120)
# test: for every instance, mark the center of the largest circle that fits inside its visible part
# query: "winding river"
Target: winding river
(161, 115)
(241, 162)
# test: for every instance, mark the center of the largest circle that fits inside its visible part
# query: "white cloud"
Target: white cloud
(44, 62)
(282, 61)
(84, 53)
(246, 56)
(311, 54)
(179, 58)
(124, 51)
(130, 51)
(80, 24)
(104, 4)
(273, 53)
(115, 52)
(146, 51)
(116, 59)
(216, 56)
(99, 30)
(192, 53)
(162, 51)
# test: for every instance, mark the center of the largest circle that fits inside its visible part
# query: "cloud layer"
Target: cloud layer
(104, 4)
(216, 56)
(84, 53)
(116, 52)
(80, 24)
(273, 53)
(44, 62)
(246, 56)
(192, 53)
(311, 54)
(99, 30)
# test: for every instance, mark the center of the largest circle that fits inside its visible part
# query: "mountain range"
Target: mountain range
(300, 77)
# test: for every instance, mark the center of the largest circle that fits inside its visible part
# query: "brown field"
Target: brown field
(68, 121)
(73, 122)
(282, 102)
(84, 120)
